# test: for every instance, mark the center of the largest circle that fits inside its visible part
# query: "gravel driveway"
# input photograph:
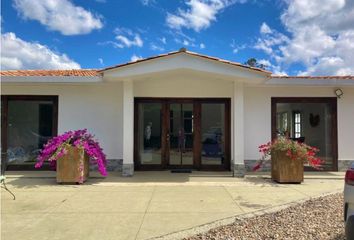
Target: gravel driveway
(319, 218)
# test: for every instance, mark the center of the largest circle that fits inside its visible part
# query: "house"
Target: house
(177, 110)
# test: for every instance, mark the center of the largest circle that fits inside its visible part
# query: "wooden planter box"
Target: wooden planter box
(286, 170)
(73, 167)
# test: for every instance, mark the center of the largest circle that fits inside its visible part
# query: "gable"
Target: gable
(184, 60)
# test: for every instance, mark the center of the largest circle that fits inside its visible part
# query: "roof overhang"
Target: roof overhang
(51, 79)
(184, 61)
(311, 81)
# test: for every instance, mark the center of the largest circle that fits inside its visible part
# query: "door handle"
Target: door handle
(167, 137)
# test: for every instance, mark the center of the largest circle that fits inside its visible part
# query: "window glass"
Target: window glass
(213, 133)
(30, 125)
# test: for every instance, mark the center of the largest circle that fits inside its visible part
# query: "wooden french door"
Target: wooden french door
(182, 133)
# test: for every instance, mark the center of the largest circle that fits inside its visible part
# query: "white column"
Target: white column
(238, 105)
(128, 129)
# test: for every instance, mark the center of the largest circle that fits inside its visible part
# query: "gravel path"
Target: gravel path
(320, 218)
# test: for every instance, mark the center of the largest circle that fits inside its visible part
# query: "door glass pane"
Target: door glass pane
(30, 125)
(150, 133)
(213, 133)
(310, 123)
(181, 134)
(176, 134)
(187, 148)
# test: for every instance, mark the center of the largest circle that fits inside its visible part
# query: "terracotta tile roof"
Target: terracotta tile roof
(183, 50)
(348, 77)
(40, 73)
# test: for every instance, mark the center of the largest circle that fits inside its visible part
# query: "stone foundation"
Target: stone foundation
(239, 170)
(128, 170)
(113, 165)
(343, 165)
(116, 165)
(249, 164)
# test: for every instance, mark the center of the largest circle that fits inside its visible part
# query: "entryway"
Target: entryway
(180, 133)
(311, 120)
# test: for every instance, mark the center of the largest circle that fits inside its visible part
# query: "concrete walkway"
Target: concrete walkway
(148, 205)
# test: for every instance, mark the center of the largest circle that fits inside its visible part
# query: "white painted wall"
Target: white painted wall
(258, 116)
(183, 85)
(97, 107)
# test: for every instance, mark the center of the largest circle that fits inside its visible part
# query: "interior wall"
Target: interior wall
(316, 136)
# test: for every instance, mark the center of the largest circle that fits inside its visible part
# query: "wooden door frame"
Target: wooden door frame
(4, 122)
(196, 135)
(332, 101)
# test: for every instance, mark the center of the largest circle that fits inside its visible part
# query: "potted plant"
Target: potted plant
(287, 159)
(70, 153)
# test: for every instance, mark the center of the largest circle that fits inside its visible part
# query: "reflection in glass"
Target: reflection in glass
(310, 123)
(30, 125)
(213, 133)
(150, 133)
(181, 134)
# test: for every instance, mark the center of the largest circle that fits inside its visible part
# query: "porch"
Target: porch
(151, 204)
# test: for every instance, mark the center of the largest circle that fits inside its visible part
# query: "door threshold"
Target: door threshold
(181, 170)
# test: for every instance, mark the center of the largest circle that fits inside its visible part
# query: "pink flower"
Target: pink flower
(55, 149)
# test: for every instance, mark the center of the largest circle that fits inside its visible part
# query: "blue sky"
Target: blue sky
(300, 37)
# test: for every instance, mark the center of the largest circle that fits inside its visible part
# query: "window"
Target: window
(28, 122)
(297, 124)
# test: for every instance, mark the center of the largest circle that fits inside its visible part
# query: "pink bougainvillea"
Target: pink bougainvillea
(295, 150)
(56, 148)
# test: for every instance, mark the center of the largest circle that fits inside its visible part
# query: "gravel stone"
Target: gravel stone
(318, 219)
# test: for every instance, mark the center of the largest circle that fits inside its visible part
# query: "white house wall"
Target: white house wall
(181, 86)
(97, 107)
(258, 116)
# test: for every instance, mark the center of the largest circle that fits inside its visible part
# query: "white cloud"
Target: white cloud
(19, 54)
(198, 15)
(235, 47)
(202, 46)
(155, 47)
(269, 39)
(100, 60)
(127, 38)
(126, 42)
(163, 40)
(265, 28)
(321, 37)
(135, 58)
(62, 16)
(147, 2)
(264, 62)
(275, 69)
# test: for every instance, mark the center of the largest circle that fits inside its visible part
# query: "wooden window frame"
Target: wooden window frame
(4, 123)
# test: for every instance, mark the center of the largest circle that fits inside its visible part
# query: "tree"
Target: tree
(252, 62)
